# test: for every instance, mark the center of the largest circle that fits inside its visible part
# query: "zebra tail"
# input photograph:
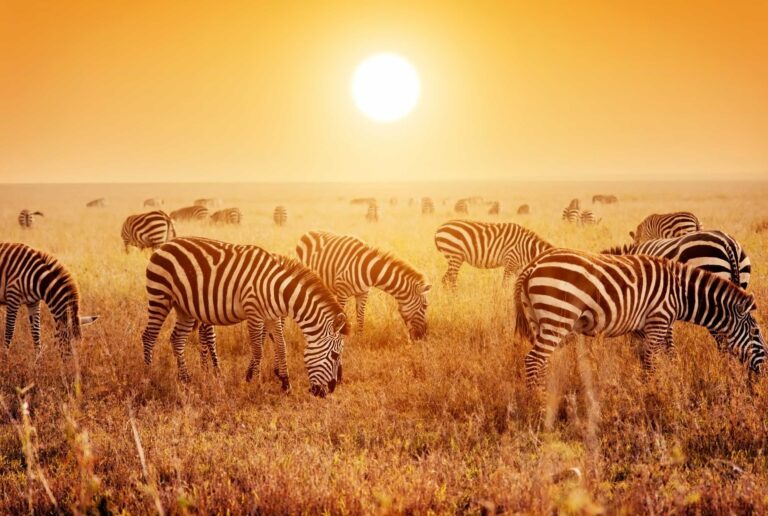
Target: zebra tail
(733, 259)
(522, 328)
(74, 314)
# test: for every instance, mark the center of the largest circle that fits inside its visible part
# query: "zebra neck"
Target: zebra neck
(703, 301)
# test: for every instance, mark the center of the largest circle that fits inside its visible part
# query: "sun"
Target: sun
(386, 87)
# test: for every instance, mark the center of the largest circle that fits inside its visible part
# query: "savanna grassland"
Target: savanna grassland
(446, 425)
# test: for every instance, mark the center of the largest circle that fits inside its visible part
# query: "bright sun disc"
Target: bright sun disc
(386, 87)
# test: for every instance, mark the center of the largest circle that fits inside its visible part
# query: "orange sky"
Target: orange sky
(259, 91)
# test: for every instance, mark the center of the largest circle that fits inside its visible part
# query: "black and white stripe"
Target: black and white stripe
(461, 207)
(713, 251)
(227, 216)
(217, 283)
(280, 215)
(190, 213)
(486, 245)
(351, 268)
(495, 208)
(564, 291)
(147, 230)
(587, 218)
(372, 213)
(665, 225)
(27, 218)
(29, 277)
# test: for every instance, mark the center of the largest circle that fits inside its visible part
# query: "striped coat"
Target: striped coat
(564, 291)
(27, 218)
(604, 199)
(461, 207)
(587, 218)
(372, 214)
(427, 206)
(212, 283)
(666, 225)
(486, 245)
(523, 209)
(495, 208)
(190, 213)
(280, 216)
(351, 268)
(227, 216)
(147, 230)
(154, 202)
(29, 277)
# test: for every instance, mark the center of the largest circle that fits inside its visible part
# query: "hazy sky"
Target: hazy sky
(216, 90)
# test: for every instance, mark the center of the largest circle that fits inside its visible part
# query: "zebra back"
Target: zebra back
(665, 225)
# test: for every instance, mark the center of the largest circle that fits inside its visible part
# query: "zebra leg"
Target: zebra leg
(655, 339)
(454, 263)
(11, 311)
(158, 310)
(184, 326)
(536, 359)
(281, 361)
(208, 344)
(33, 309)
(256, 334)
(360, 302)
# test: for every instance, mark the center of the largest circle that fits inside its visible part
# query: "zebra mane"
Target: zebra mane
(304, 274)
(618, 249)
(534, 235)
(409, 270)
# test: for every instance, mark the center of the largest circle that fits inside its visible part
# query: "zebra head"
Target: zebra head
(413, 309)
(322, 356)
(743, 335)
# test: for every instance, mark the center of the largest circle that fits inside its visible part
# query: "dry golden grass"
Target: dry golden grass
(446, 425)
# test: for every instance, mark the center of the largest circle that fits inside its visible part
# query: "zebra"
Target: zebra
(495, 208)
(207, 203)
(565, 291)
(350, 267)
(587, 218)
(154, 202)
(227, 216)
(393, 201)
(362, 200)
(487, 245)
(280, 215)
(96, 203)
(604, 199)
(461, 207)
(427, 206)
(666, 225)
(372, 214)
(523, 209)
(148, 230)
(190, 213)
(28, 277)
(572, 213)
(27, 218)
(217, 283)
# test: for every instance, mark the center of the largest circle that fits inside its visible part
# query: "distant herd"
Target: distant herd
(673, 270)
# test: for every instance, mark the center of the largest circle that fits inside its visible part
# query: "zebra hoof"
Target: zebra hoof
(249, 375)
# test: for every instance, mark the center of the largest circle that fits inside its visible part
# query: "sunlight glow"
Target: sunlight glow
(386, 87)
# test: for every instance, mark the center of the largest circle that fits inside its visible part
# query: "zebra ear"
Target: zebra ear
(632, 234)
(426, 288)
(340, 324)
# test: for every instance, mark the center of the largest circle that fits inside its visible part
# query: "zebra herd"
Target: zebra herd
(672, 271)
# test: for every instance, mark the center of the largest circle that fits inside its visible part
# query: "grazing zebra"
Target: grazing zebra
(154, 202)
(227, 216)
(216, 283)
(713, 251)
(427, 206)
(523, 209)
(96, 203)
(350, 267)
(280, 216)
(564, 291)
(461, 207)
(372, 214)
(494, 209)
(587, 218)
(27, 218)
(572, 215)
(604, 199)
(486, 245)
(148, 230)
(29, 276)
(666, 225)
(362, 200)
(190, 213)
(207, 203)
